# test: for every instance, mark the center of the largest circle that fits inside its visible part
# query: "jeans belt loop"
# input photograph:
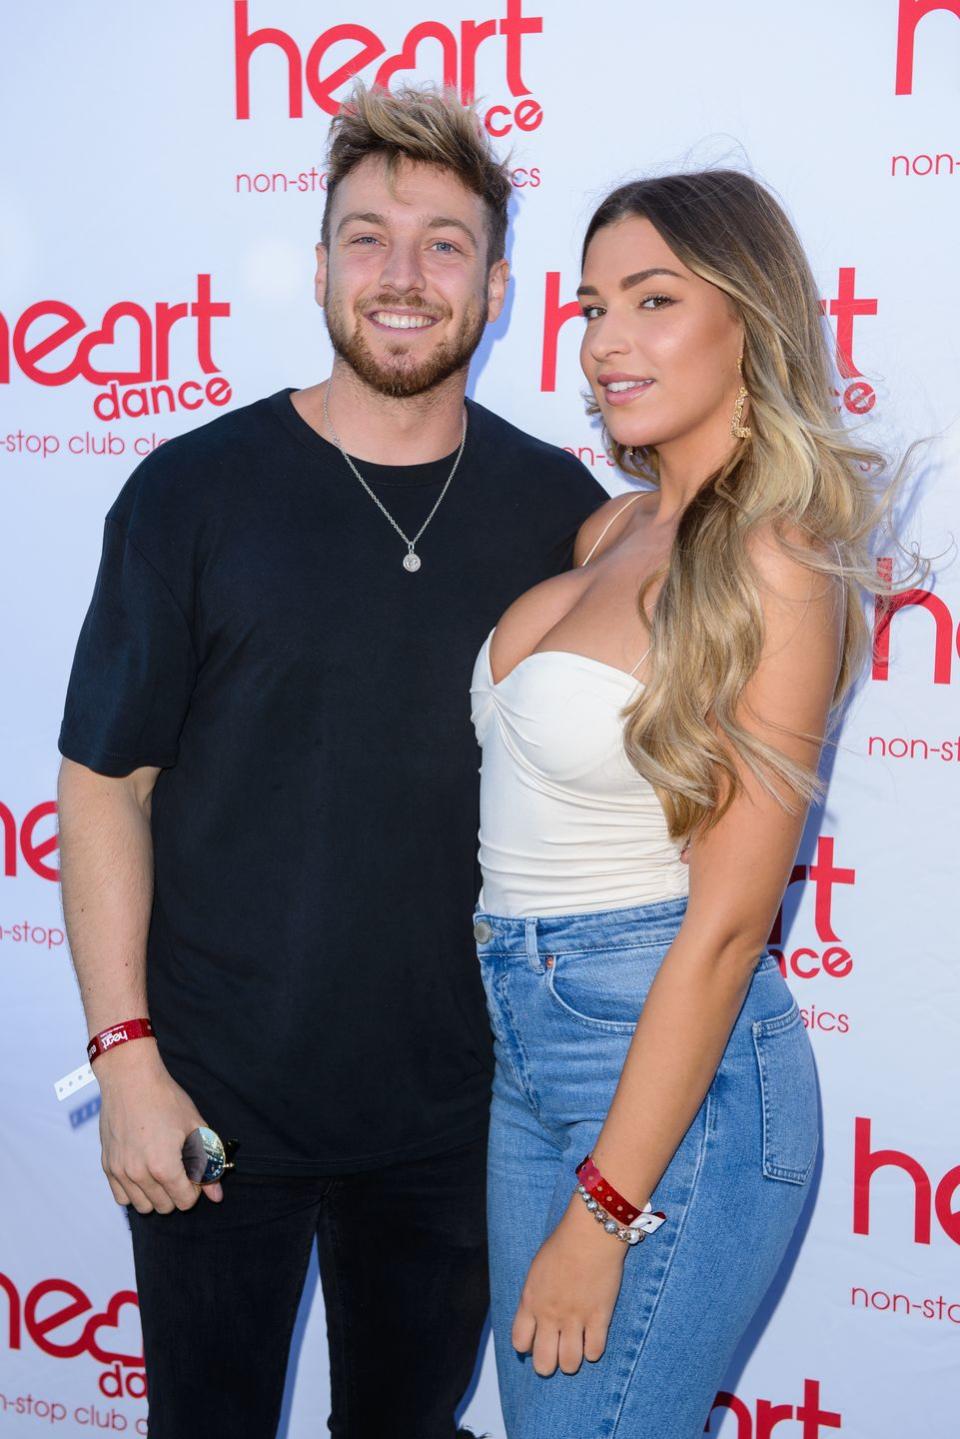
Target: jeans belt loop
(530, 939)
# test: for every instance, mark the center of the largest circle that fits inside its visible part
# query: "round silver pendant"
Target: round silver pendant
(411, 562)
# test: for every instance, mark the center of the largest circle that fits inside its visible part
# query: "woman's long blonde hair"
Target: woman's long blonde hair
(800, 470)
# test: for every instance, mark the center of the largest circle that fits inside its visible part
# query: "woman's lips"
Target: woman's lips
(627, 390)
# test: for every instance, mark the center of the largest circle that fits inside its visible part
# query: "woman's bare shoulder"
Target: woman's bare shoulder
(605, 523)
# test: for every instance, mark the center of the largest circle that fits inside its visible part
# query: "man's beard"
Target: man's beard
(403, 381)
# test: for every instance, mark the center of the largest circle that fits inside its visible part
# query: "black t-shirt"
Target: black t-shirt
(310, 964)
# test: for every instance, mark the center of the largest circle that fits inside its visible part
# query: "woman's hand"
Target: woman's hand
(572, 1286)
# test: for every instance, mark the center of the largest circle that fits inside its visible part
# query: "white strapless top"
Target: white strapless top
(567, 825)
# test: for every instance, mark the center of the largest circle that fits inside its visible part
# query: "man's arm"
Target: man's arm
(106, 855)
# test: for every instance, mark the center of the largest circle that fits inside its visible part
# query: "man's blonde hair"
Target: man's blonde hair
(423, 124)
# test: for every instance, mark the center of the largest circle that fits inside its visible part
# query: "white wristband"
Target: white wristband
(70, 1083)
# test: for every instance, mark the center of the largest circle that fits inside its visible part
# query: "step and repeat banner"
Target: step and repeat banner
(162, 187)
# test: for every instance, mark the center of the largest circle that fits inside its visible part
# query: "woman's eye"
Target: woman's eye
(649, 303)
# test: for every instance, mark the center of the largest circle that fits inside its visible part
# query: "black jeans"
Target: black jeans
(402, 1253)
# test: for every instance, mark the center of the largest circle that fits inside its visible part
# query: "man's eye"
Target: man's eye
(448, 247)
(362, 239)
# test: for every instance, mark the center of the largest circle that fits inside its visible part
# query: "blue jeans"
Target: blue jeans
(563, 995)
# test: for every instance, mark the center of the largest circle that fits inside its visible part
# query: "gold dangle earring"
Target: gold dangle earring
(738, 429)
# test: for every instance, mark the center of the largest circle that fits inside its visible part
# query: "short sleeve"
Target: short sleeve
(582, 495)
(134, 669)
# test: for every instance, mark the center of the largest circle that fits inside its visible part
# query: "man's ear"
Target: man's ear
(320, 281)
(497, 289)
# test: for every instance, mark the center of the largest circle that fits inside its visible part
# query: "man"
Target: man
(269, 815)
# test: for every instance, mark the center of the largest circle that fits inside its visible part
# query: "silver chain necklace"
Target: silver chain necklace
(411, 560)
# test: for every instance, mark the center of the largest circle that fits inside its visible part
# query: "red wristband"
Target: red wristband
(119, 1034)
(613, 1202)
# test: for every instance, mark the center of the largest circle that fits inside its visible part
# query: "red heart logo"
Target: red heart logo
(407, 59)
(109, 1320)
(106, 335)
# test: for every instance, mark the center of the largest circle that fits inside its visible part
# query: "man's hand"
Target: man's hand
(569, 1295)
(144, 1119)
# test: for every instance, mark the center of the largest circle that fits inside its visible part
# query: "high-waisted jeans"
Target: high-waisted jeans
(564, 994)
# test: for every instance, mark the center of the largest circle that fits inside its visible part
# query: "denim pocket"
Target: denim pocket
(604, 988)
(788, 1088)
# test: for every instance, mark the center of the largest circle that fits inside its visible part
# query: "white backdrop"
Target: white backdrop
(155, 158)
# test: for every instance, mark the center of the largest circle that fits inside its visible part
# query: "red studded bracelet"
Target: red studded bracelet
(118, 1034)
(604, 1193)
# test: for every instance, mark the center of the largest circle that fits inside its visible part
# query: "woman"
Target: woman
(674, 688)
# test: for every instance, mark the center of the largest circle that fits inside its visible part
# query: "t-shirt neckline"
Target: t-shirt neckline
(433, 472)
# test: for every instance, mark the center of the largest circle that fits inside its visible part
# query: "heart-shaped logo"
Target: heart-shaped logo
(106, 335)
(109, 1320)
(407, 59)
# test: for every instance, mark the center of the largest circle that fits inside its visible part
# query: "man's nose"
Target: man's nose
(402, 270)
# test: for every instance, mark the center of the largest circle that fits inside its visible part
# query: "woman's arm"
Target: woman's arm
(738, 872)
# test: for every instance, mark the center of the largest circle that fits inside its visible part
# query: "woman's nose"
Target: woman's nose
(606, 337)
